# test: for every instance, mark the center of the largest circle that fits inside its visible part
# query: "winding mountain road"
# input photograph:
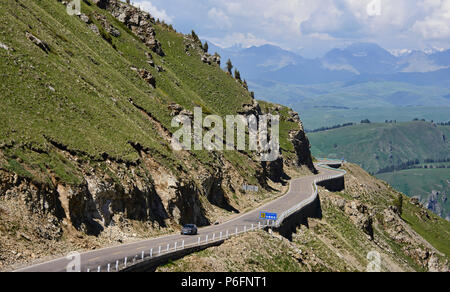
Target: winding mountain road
(301, 189)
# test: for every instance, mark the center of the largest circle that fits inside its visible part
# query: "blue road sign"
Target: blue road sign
(268, 216)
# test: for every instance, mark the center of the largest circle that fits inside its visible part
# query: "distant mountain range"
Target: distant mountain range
(359, 62)
(346, 84)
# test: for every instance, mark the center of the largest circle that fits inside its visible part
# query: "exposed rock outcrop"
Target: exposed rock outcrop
(140, 22)
(435, 202)
(148, 77)
(208, 59)
(359, 214)
(41, 44)
(107, 26)
(302, 149)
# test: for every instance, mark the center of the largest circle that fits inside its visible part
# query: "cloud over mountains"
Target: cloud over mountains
(312, 25)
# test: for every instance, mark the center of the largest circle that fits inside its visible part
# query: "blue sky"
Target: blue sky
(310, 27)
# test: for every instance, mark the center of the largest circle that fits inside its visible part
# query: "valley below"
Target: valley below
(412, 157)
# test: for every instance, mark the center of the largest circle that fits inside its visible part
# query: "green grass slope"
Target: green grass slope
(78, 94)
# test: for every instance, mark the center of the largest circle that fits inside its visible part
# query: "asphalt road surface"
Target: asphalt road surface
(300, 190)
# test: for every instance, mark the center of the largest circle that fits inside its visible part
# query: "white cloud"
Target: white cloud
(154, 11)
(315, 25)
(437, 24)
(219, 18)
(245, 40)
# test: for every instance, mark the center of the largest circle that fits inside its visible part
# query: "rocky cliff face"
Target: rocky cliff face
(435, 202)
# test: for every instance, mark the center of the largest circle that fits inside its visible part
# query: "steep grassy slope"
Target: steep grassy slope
(85, 129)
(356, 223)
(89, 111)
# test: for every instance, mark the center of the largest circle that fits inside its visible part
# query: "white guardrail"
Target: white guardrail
(210, 239)
(313, 197)
(154, 253)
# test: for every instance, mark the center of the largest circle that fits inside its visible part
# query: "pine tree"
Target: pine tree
(398, 203)
(237, 74)
(195, 36)
(206, 47)
(229, 66)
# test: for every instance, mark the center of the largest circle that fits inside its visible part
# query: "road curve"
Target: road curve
(301, 189)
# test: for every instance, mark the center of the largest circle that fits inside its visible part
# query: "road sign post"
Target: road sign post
(268, 216)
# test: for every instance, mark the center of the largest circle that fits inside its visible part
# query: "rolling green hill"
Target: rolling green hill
(378, 146)
(389, 149)
(325, 116)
